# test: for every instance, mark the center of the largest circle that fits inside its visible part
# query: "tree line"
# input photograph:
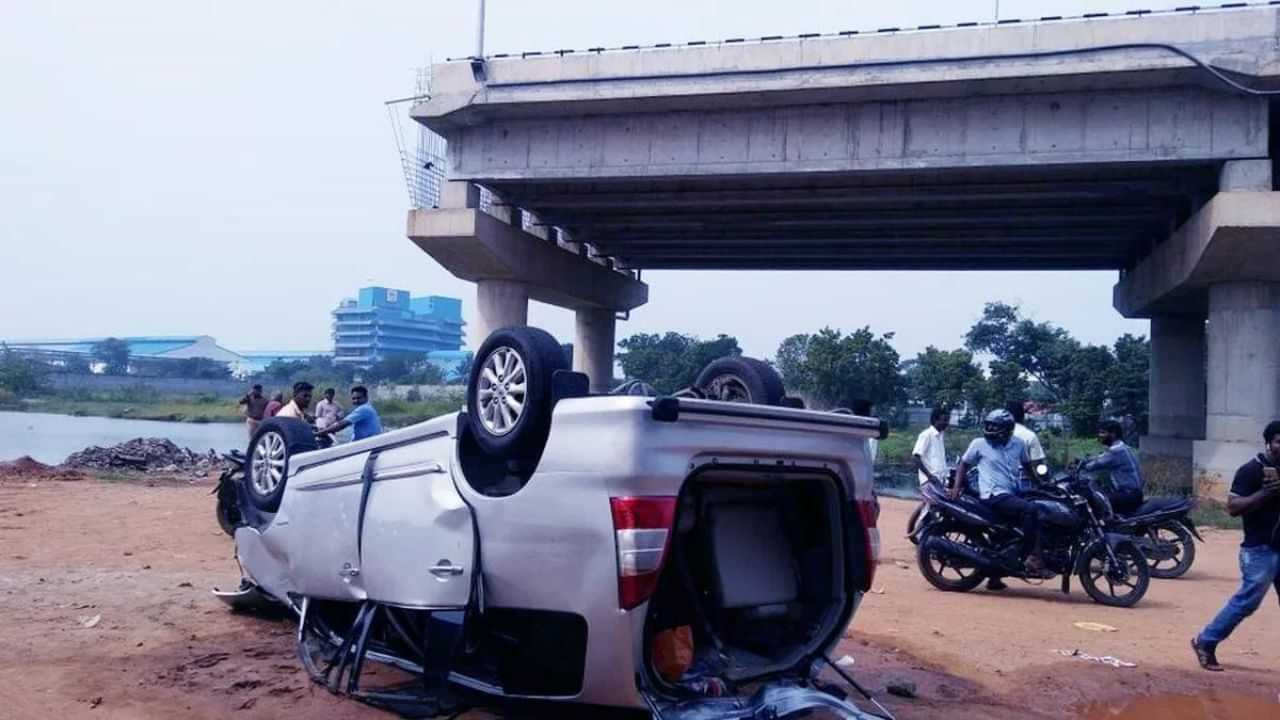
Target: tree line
(1025, 360)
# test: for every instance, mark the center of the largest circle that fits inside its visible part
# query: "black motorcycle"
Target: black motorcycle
(1165, 534)
(228, 507)
(961, 543)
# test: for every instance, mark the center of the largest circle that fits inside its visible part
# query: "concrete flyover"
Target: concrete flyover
(1138, 143)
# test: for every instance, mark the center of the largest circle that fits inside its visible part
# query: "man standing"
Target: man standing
(930, 453)
(1028, 437)
(363, 419)
(328, 412)
(273, 407)
(297, 407)
(1255, 497)
(1120, 461)
(255, 407)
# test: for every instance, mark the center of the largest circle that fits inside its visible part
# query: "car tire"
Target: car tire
(509, 395)
(741, 379)
(274, 444)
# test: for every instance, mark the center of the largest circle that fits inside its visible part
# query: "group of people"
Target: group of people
(1008, 452)
(1007, 457)
(328, 419)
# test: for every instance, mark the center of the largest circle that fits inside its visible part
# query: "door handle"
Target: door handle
(444, 569)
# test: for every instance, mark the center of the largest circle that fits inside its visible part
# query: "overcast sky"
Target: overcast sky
(228, 169)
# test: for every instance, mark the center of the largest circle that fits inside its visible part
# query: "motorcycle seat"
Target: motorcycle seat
(972, 504)
(1161, 504)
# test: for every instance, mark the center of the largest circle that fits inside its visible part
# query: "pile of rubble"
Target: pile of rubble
(150, 455)
(27, 469)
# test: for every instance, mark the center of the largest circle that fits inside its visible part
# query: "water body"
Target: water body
(51, 438)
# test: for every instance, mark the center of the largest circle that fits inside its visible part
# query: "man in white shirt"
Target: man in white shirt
(328, 412)
(930, 452)
(1027, 436)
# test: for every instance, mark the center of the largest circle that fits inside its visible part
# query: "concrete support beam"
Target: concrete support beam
(593, 346)
(1177, 391)
(1231, 239)
(500, 303)
(1245, 176)
(1244, 377)
(477, 246)
(974, 131)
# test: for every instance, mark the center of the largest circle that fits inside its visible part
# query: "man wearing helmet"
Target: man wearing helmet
(1001, 459)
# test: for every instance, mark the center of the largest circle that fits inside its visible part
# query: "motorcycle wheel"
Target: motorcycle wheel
(939, 571)
(1116, 585)
(1174, 536)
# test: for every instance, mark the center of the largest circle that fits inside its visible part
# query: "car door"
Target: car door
(316, 527)
(418, 547)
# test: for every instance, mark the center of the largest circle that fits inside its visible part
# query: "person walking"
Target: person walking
(1255, 498)
(328, 412)
(255, 407)
(273, 407)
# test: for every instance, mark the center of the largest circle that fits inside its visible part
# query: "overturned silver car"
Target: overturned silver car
(537, 544)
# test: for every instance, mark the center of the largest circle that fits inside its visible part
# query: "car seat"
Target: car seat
(753, 565)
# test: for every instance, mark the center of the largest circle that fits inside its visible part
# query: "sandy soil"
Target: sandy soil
(104, 597)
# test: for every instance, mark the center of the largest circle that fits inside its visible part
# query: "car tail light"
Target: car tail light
(642, 528)
(869, 512)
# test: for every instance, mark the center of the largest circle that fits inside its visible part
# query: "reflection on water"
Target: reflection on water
(898, 481)
(1208, 705)
(51, 438)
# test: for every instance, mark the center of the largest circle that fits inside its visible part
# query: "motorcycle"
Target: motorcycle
(970, 490)
(1165, 534)
(961, 543)
(227, 508)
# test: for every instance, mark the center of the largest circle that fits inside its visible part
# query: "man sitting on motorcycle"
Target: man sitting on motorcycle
(1001, 459)
(1120, 461)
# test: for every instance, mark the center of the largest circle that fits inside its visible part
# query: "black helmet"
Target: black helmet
(998, 426)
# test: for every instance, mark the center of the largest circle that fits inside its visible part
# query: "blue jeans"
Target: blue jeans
(1260, 569)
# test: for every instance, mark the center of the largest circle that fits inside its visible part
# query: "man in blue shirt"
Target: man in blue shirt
(1001, 459)
(363, 419)
(1118, 460)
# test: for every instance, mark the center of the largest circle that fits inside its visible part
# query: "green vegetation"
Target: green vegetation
(1024, 360)
(1059, 448)
(672, 361)
(837, 370)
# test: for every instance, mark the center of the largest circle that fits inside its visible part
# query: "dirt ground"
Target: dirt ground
(104, 597)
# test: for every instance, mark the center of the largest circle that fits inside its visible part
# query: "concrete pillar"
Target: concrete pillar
(1244, 377)
(1177, 386)
(1245, 176)
(499, 303)
(593, 346)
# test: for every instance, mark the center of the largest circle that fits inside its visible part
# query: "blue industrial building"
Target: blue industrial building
(383, 321)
